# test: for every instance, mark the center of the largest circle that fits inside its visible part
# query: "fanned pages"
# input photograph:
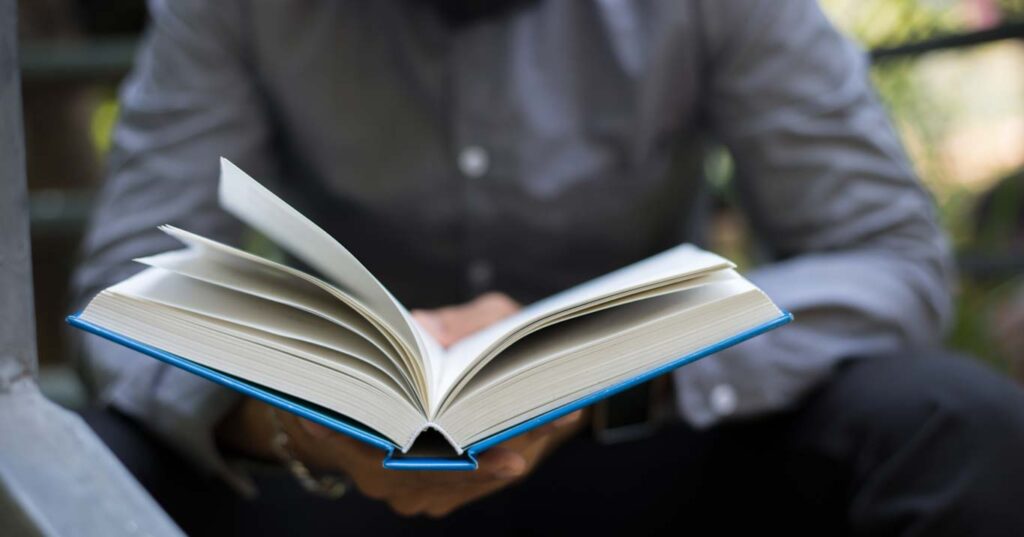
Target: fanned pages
(338, 345)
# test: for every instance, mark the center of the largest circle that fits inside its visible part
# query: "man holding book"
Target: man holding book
(481, 156)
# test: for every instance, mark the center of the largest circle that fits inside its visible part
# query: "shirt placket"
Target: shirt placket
(475, 153)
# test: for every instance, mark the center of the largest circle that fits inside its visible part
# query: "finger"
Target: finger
(313, 429)
(445, 501)
(335, 440)
(448, 481)
(483, 311)
(373, 480)
(356, 450)
(487, 309)
(335, 451)
(433, 324)
(445, 505)
(568, 420)
(560, 425)
(502, 462)
(375, 489)
(497, 304)
(409, 505)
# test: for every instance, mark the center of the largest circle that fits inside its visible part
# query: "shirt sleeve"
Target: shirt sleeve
(827, 189)
(189, 100)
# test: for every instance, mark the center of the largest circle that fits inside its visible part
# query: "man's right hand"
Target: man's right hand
(250, 430)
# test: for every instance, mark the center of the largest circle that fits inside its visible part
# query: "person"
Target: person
(480, 155)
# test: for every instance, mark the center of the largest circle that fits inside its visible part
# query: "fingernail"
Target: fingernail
(508, 472)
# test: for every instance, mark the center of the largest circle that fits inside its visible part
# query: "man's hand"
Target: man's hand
(410, 493)
(430, 493)
(452, 323)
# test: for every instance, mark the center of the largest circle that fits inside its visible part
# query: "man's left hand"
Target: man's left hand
(439, 493)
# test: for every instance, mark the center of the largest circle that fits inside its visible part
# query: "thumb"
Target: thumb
(433, 324)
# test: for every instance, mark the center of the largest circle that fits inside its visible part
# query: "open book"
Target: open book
(339, 349)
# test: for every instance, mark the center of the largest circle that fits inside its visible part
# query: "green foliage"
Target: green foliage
(1012, 8)
(879, 23)
(102, 124)
(925, 119)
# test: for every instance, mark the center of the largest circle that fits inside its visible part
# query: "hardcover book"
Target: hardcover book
(336, 347)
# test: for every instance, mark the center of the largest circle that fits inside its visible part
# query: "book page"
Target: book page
(258, 207)
(669, 267)
(412, 363)
(568, 361)
(307, 372)
(238, 274)
(272, 296)
(169, 289)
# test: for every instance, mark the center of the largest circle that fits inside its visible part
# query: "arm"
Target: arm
(188, 101)
(826, 186)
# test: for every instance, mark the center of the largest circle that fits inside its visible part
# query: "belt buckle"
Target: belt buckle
(634, 414)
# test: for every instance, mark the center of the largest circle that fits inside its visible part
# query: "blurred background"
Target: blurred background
(950, 71)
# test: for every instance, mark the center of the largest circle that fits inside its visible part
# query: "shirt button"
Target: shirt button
(723, 399)
(474, 161)
(480, 274)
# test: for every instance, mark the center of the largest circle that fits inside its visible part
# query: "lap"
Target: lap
(882, 427)
(931, 443)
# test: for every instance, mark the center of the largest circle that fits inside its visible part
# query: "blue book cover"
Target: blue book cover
(392, 457)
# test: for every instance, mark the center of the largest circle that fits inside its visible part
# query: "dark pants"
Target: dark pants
(921, 444)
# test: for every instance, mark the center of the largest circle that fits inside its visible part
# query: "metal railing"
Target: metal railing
(56, 477)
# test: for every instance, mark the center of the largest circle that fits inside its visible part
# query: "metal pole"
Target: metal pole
(56, 477)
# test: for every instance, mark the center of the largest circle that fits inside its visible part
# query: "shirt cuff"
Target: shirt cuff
(859, 305)
(747, 380)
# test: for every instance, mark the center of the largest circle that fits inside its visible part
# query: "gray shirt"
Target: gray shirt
(526, 154)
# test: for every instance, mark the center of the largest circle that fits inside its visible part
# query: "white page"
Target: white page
(493, 352)
(597, 351)
(669, 266)
(239, 274)
(167, 288)
(413, 364)
(258, 207)
(354, 389)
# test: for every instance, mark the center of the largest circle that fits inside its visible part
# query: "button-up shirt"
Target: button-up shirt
(527, 153)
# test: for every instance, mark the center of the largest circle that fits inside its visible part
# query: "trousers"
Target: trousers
(920, 443)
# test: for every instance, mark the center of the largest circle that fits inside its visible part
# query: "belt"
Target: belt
(633, 414)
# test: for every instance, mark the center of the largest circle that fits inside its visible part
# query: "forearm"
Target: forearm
(826, 186)
(188, 101)
(846, 305)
